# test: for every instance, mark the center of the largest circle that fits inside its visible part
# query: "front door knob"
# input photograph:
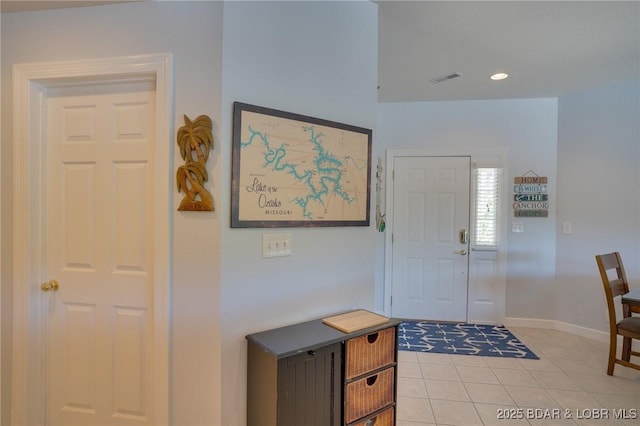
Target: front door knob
(50, 285)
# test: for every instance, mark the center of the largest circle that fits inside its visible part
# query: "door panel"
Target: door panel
(486, 288)
(78, 212)
(429, 262)
(100, 249)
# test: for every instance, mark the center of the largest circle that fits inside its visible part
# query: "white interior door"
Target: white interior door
(100, 239)
(430, 250)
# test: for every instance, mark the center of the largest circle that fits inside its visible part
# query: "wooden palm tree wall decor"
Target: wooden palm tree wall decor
(195, 140)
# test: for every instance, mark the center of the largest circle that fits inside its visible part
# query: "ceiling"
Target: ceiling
(549, 48)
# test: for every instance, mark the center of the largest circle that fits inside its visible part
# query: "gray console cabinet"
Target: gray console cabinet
(299, 375)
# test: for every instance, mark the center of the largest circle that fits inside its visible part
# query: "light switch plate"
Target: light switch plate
(276, 245)
(517, 227)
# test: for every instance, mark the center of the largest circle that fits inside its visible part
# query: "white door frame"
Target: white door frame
(30, 83)
(489, 157)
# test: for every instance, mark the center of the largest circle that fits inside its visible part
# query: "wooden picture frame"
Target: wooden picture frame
(291, 170)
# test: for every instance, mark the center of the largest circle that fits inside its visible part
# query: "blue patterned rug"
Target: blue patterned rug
(461, 339)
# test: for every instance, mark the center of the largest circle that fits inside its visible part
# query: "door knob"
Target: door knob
(461, 252)
(50, 285)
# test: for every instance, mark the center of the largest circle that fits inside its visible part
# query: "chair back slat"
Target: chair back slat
(618, 287)
(609, 260)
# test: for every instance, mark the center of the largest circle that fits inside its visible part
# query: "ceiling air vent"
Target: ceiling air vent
(439, 80)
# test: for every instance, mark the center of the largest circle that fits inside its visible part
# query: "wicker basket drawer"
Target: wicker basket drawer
(382, 419)
(369, 394)
(370, 352)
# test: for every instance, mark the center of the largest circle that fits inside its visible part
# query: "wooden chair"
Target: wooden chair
(628, 327)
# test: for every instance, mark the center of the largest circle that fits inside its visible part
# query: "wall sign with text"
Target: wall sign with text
(292, 170)
(530, 197)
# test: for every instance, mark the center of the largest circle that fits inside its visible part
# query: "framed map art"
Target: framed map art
(290, 170)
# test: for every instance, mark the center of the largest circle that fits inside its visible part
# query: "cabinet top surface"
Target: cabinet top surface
(294, 339)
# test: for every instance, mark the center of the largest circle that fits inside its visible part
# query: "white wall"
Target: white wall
(192, 32)
(598, 181)
(317, 59)
(527, 129)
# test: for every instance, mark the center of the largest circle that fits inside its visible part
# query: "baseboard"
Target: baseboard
(601, 336)
(529, 322)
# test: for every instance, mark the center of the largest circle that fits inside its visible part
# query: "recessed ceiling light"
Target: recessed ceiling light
(499, 76)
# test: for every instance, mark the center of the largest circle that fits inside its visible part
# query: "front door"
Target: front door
(99, 250)
(429, 243)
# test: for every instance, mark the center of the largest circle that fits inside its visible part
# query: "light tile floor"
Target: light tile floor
(568, 385)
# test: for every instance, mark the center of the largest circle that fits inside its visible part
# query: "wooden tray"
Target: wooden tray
(355, 320)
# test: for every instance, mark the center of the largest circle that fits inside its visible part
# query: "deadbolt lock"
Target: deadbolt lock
(463, 236)
(50, 285)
